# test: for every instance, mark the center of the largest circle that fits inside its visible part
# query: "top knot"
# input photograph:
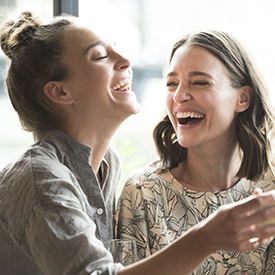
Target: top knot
(14, 33)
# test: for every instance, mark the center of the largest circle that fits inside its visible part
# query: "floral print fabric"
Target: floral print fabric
(155, 209)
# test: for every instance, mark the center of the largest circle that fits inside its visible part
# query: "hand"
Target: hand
(271, 221)
(242, 225)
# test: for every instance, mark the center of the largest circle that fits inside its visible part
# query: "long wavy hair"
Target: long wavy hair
(255, 126)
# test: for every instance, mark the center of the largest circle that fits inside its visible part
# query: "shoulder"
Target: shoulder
(35, 157)
(45, 160)
(146, 173)
(147, 179)
(267, 183)
(40, 174)
(39, 167)
(20, 181)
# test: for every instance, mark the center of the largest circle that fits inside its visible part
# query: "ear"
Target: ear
(54, 91)
(244, 99)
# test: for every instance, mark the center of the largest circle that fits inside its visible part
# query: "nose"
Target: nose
(182, 94)
(122, 62)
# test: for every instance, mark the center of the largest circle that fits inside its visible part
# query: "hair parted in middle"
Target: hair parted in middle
(254, 126)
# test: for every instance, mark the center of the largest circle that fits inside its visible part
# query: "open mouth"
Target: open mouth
(185, 118)
(122, 85)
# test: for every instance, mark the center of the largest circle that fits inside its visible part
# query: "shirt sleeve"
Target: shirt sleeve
(50, 222)
(61, 237)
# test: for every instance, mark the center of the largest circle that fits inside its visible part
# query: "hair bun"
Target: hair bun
(14, 33)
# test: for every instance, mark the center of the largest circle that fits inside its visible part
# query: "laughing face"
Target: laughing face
(98, 81)
(201, 103)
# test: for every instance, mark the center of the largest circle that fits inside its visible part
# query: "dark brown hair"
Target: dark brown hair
(254, 126)
(35, 51)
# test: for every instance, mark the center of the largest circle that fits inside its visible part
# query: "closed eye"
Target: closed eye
(101, 57)
(201, 83)
(169, 84)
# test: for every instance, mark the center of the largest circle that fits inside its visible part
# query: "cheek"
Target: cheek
(170, 108)
(169, 102)
(95, 82)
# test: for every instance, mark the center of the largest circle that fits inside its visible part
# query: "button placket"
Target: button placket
(99, 211)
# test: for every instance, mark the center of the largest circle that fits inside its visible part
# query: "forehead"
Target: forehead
(193, 57)
(79, 37)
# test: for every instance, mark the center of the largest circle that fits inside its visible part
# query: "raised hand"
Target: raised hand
(241, 226)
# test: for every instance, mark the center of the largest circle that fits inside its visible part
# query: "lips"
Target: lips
(189, 117)
(122, 85)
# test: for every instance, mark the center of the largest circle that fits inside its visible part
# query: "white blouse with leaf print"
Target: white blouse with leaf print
(154, 209)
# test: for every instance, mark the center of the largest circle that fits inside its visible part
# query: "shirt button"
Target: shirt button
(99, 211)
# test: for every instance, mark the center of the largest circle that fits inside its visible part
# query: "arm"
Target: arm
(50, 220)
(61, 237)
(240, 222)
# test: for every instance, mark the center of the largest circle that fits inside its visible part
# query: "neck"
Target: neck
(211, 173)
(96, 137)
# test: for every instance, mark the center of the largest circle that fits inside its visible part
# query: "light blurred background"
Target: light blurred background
(145, 31)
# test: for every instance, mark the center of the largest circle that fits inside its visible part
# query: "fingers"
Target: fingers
(252, 240)
(256, 203)
(243, 223)
(255, 236)
(256, 243)
(266, 241)
(250, 221)
(256, 231)
(264, 213)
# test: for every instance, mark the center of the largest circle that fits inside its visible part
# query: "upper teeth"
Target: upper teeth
(126, 83)
(189, 114)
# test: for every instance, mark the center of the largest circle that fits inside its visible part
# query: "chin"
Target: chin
(133, 111)
(133, 107)
(136, 109)
(186, 143)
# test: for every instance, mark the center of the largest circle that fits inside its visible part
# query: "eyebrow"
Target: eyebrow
(98, 43)
(190, 74)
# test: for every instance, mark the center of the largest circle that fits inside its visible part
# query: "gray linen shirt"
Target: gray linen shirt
(54, 215)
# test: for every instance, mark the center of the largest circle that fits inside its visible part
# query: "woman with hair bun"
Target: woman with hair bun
(72, 90)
